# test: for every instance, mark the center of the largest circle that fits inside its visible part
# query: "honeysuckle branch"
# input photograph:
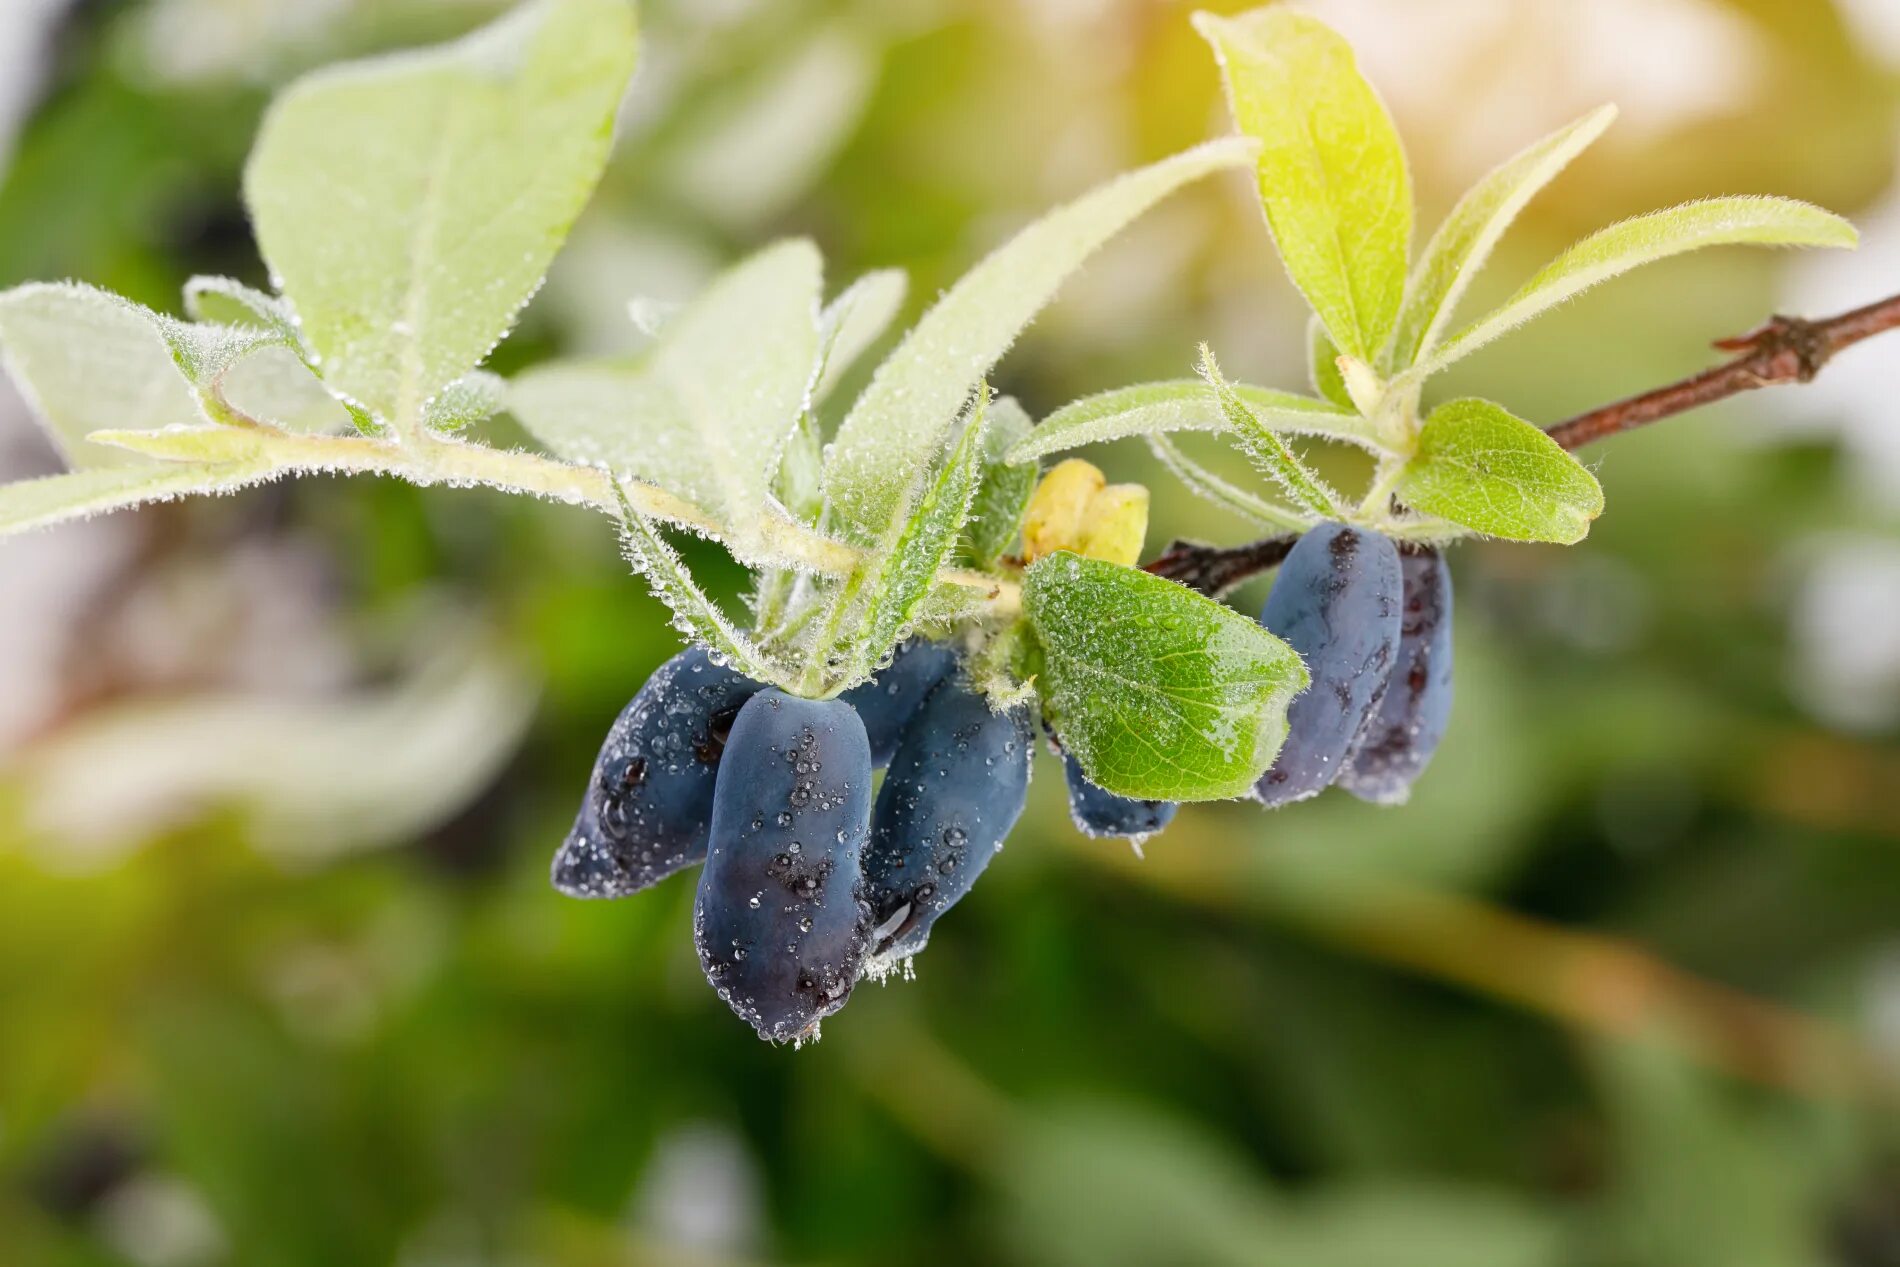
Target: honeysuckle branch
(264, 453)
(1787, 350)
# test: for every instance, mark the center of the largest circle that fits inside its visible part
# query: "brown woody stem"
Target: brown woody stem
(1787, 350)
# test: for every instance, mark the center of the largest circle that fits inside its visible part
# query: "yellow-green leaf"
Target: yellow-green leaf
(1333, 179)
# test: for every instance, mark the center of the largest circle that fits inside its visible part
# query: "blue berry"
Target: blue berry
(1400, 738)
(956, 787)
(1098, 812)
(1336, 601)
(649, 803)
(887, 702)
(779, 921)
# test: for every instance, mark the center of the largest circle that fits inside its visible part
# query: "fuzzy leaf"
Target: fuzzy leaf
(54, 499)
(87, 360)
(279, 383)
(1267, 451)
(1211, 488)
(694, 614)
(996, 514)
(208, 444)
(475, 397)
(908, 572)
(876, 467)
(707, 412)
(411, 203)
(855, 320)
(1333, 179)
(1182, 404)
(1480, 467)
(274, 386)
(1645, 240)
(1322, 366)
(1463, 244)
(228, 302)
(1160, 693)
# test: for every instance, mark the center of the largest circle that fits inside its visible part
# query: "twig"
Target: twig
(1787, 350)
(1213, 570)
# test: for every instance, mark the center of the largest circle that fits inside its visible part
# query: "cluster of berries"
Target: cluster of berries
(810, 884)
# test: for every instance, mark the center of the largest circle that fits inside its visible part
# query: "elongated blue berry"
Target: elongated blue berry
(887, 702)
(649, 803)
(1336, 601)
(1099, 812)
(955, 789)
(779, 920)
(1400, 738)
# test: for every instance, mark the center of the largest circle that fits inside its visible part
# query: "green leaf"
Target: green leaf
(87, 361)
(273, 385)
(855, 320)
(876, 466)
(56, 499)
(475, 397)
(1267, 451)
(1645, 240)
(1463, 244)
(411, 204)
(996, 513)
(276, 386)
(908, 571)
(707, 412)
(1159, 692)
(1183, 404)
(694, 614)
(1480, 467)
(228, 302)
(189, 444)
(1322, 366)
(1211, 488)
(1333, 180)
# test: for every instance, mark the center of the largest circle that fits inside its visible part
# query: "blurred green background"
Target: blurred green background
(282, 980)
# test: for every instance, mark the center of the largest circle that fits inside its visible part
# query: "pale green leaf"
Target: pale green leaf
(855, 320)
(1267, 451)
(1183, 404)
(1211, 488)
(1463, 244)
(1482, 468)
(278, 383)
(87, 360)
(694, 614)
(475, 397)
(876, 467)
(1159, 692)
(707, 412)
(274, 386)
(189, 444)
(91, 361)
(226, 301)
(907, 573)
(801, 474)
(1645, 240)
(56, 499)
(1333, 178)
(410, 204)
(996, 514)
(205, 353)
(1322, 366)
